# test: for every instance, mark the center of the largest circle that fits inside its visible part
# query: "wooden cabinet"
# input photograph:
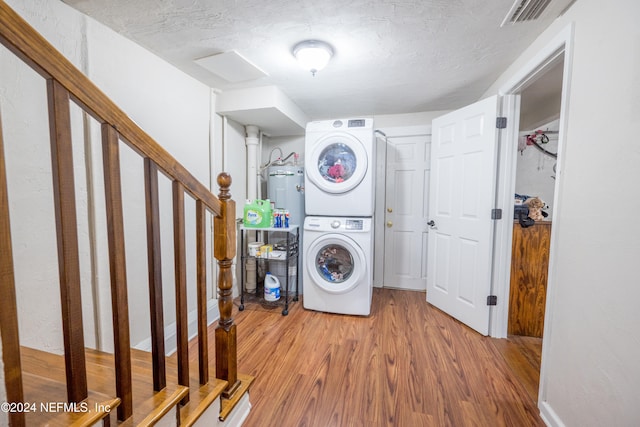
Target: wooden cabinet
(529, 270)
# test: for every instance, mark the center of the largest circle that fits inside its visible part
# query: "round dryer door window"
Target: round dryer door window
(336, 263)
(339, 162)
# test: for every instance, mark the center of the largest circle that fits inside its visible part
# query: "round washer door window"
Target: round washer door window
(338, 163)
(336, 263)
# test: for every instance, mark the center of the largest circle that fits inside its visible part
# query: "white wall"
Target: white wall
(23, 100)
(411, 119)
(235, 162)
(591, 345)
(172, 107)
(287, 144)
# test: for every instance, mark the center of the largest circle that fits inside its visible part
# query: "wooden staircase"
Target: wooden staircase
(44, 383)
(129, 387)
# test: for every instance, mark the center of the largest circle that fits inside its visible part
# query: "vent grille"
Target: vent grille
(525, 10)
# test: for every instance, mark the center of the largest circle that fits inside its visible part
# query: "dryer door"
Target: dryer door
(335, 263)
(337, 163)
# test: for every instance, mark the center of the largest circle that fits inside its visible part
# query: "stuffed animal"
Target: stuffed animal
(536, 206)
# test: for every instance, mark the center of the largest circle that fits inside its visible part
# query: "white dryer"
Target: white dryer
(338, 270)
(340, 167)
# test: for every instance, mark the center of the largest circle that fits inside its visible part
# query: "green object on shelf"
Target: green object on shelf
(257, 214)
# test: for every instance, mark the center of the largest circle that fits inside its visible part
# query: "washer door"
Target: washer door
(335, 263)
(337, 163)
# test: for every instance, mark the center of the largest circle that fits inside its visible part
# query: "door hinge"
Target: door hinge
(496, 213)
(492, 300)
(501, 122)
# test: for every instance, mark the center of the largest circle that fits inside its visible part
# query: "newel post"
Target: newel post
(225, 251)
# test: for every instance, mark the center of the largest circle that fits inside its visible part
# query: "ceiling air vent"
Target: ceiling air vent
(525, 10)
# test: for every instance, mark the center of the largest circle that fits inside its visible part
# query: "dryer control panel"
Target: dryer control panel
(351, 123)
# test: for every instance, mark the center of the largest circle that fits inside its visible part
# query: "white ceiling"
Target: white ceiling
(391, 56)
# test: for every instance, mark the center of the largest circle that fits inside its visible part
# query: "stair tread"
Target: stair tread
(148, 405)
(200, 400)
(202, 395)
(158, 405)
(227, 405)
(45, 401)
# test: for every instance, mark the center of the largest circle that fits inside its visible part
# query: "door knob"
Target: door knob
(431, 223)
(389, 224)
(389, 210)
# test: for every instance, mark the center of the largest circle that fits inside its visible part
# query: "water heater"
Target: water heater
(285, 187)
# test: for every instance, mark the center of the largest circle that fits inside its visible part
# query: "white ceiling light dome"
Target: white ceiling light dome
(313, 55)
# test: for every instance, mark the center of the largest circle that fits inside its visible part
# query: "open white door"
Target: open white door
(461, 199)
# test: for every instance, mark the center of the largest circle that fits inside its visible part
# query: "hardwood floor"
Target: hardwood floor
(523, 355)
(407, 364)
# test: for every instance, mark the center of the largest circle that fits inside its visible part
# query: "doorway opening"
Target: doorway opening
(532, 224)
(524, 263)
(534, 191)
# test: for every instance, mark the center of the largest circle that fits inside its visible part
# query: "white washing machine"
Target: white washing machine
(338, 264)
(340, 168)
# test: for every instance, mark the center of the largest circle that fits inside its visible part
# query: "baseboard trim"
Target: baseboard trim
(549, 416)
(213, 314)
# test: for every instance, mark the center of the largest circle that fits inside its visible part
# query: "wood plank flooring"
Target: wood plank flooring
(523, 355)
(407, 364)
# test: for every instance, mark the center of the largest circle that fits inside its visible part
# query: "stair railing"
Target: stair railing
(66, 84)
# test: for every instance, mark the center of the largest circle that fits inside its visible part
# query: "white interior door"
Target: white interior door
(406, 208)
(461, 197)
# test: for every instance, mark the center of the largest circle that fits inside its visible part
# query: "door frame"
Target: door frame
(560, 45)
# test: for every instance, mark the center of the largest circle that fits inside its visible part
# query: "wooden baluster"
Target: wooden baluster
(117, 267)
(67, 235)
(180, 262)
(225, 251)
(9, 313)
(155, 274)
(201, 260)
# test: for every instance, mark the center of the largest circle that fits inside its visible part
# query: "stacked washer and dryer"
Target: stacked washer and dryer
(339, 206)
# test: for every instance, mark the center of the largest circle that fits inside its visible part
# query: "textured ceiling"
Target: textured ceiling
(391, 56)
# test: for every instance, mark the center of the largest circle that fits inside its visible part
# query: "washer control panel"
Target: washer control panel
(354, 224)
(346, 224)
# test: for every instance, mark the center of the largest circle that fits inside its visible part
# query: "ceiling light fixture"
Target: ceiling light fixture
(313, 55)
